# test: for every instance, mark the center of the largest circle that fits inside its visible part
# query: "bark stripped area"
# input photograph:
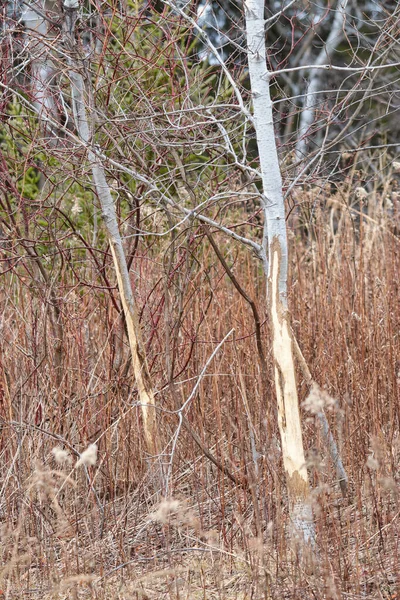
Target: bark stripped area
(287, 399)
(139, 360)
(110, 219)
(275, 245)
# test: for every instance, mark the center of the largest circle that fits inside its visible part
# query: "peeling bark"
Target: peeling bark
(288, 406)
(109, 215)
(275, 260)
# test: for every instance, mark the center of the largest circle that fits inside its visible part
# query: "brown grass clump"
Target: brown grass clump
(81, 515)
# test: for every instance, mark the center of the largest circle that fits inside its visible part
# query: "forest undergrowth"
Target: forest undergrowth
(82, 514)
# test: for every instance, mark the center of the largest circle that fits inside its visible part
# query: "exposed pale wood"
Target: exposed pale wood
(274, 255)
(110, 220)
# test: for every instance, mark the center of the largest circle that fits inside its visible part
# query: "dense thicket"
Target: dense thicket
(169, 112)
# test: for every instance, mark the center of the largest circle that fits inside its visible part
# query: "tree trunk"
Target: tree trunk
(314, 86)
(275, 245)
(43, 71)
(109, 215)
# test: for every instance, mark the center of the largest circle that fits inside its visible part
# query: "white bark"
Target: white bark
(275, 243)
(311, 96)
(43, 71)
(109, 215)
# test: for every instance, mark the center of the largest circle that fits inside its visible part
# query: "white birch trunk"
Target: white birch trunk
(38, 43)
(311, 96)
(275, 242)
(109, 215)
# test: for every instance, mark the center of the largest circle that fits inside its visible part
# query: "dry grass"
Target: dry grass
(98, 530)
